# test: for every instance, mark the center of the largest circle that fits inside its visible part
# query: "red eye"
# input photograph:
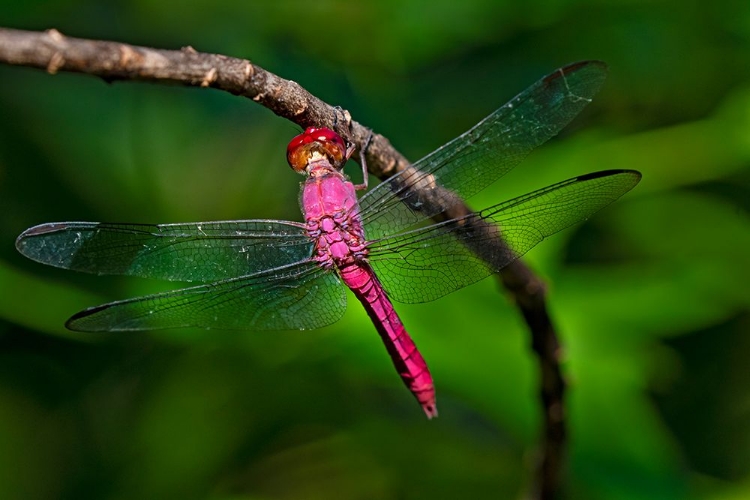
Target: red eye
(321, 140)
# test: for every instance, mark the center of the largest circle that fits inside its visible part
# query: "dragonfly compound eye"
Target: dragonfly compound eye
(323, 141)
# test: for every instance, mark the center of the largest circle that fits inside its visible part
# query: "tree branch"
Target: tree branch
(113, 61)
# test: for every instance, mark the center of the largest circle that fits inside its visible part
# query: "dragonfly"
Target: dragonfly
(396, 242)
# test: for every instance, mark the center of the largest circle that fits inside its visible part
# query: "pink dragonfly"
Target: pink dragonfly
(277, 275)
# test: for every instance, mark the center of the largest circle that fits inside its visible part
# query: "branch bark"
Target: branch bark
(112, 61)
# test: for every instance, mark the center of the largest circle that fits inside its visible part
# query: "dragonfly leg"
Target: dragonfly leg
(363, 162)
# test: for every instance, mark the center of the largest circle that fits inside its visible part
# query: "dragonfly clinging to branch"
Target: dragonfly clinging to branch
(274, 275)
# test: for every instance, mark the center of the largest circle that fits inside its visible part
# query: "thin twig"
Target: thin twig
(111, 61)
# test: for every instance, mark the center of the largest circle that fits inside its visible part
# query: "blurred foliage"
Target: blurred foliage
(651, 294)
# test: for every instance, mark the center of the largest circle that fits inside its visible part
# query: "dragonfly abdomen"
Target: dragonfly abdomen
(407, 359)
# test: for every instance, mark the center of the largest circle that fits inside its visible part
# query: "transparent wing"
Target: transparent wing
(204, 251)
(427, 263)
(297, 297)
(474, 160)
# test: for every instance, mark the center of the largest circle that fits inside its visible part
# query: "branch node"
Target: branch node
(188, 49)
(347, 118)
(55, 63)
(249, 70)
(209, 78)
(55, 35)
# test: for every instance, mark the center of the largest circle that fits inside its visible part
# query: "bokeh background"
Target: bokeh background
(651, 296)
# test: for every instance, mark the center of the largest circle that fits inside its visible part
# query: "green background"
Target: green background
(651, 295)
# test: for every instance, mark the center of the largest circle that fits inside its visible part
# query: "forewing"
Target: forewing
(475, 159)
(204, 251)
(297, 297)
(427, 263)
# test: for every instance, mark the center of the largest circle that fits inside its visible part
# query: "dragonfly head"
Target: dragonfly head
(322, 142)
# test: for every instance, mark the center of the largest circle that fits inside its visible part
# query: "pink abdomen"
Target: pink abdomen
(406, 357)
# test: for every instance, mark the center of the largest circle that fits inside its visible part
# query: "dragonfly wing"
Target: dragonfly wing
(205, 252)
(427, 263)
(297, 297)
(475, 159)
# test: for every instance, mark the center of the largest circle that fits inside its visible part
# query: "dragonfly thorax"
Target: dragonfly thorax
(329, 203)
